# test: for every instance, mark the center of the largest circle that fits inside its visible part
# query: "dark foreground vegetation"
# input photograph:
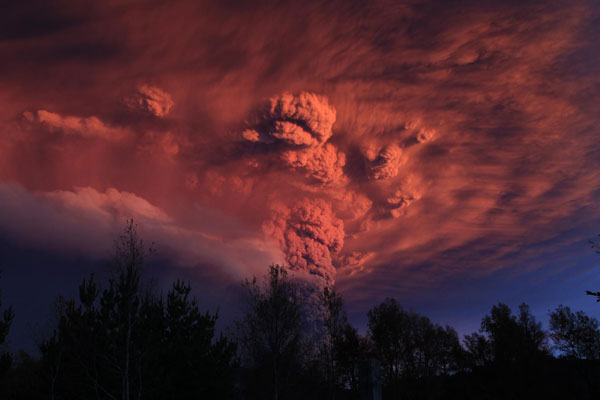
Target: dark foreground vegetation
(121, 340)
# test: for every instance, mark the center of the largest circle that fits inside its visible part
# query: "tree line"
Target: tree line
(119, 339)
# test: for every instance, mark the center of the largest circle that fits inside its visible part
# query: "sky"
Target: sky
(442, 153)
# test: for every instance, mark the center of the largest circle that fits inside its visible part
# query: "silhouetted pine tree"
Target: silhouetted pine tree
(124, 342)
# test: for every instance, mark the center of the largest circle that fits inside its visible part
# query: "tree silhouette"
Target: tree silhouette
(576, 335)
(270, 333)
(99, 340)
(6, 320)
(513, 339)
(194, 364)
(341, 349)
(596, 246)
(125, 342)
(509, 355)
(479, 351)
(590, 293)
(409, 346)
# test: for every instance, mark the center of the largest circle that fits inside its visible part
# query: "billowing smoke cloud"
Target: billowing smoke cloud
(350, 204)
(90, 127)
(304, 123)
(310, 236)
(323, 163)
(421, 133)
(425, 135)
(385, 163)
(399, 201)
(302, 120)
(309, 233)
(152, 100)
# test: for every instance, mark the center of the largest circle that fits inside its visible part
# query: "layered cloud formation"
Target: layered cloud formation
(379, 145)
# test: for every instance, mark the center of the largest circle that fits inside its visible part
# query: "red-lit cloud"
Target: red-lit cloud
(302, 120)
(369, 144)
(310, 235)
(152, 100)
(324, 164)
(90, 127)
(385, 163)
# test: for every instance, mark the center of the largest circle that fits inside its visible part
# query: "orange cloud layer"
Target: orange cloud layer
(430, 138)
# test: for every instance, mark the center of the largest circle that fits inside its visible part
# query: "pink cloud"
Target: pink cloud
(302, 120)
(90, 127)
(309, 235)
(385, 163)
(151, 99)
(323, 164)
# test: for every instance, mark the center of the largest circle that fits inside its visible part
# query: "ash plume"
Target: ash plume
(303, 120)
(386, 163)
(310, 235)
(152, 100)
(323, 164)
